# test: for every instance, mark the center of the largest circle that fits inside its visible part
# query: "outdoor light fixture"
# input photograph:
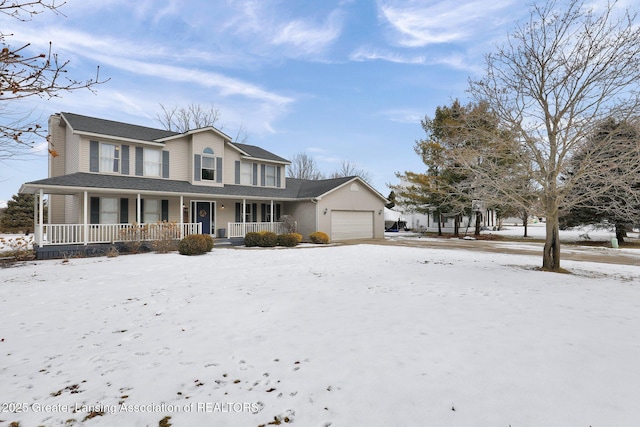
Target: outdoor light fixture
(222, 207)
(380, 212)
(325, 211)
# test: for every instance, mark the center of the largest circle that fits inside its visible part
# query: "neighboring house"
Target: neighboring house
(109, 176)
(428, 222)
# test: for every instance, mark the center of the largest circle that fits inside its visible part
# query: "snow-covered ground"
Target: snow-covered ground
(350, 335)
(577, 234)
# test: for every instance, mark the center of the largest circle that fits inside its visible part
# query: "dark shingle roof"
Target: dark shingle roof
(296, 188)
(314, 188)
(143, 133)
(112, 128)
(259, 153)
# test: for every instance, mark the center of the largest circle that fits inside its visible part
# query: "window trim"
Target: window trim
(146, 213)
(114, 161)
(103, 211)
(147, 164)
(249, 166)
(210, 175)
(266, 176)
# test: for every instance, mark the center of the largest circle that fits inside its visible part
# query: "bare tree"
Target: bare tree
(556, 78)
(304, 167)
(184, 119)
(348, 168)
(195, 116)
(24, 74)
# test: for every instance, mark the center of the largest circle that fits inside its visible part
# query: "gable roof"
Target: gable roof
(81, 123)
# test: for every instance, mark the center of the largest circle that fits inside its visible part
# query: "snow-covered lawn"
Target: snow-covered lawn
(362, 335)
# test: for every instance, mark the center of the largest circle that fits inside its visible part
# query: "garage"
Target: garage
(349, 225)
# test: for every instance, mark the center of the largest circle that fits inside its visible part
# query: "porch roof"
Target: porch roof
(296, 189)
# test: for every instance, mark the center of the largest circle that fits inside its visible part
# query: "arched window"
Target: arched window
(208, 164)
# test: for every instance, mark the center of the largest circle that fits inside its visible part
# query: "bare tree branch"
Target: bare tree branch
(184, 119)
(23, 75)
(304, 167)
(348, 168)
(557, 77)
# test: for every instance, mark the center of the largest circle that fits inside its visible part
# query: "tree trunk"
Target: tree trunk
(478, 219)
(525, 222)
(551, 254)
(621, 232)
(439, 224)
(456, 226)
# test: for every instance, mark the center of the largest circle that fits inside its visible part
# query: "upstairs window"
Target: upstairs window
(246, 173)
(152, 160)
(270, 176)
(208, 165)
(109, 158)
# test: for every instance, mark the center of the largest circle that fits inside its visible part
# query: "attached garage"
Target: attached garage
(350, 225)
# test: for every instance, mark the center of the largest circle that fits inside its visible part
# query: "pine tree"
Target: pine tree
(18, 215)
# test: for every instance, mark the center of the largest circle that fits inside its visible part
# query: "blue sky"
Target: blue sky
(342, 80)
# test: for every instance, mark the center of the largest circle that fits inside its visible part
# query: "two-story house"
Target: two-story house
(110, 176)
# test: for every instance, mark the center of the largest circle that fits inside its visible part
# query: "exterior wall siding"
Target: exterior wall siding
(304, 213)
(57, 139)
(180, 160)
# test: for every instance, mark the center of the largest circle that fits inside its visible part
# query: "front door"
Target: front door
(204, 215)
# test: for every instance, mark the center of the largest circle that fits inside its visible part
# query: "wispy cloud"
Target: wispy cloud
(403, 116)
(308, 37)
(152, 61)
(416, 24)
(372, 54)
(269, 27)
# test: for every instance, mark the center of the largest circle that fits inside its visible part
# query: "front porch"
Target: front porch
(115, 218)
(88, 234)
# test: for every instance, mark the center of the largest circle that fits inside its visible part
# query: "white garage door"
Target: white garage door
(347, 225)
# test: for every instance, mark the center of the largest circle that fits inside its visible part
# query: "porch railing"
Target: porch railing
(73, 234)
(240, 229)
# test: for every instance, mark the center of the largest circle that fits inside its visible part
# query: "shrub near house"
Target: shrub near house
(196, 244)
(319, 238)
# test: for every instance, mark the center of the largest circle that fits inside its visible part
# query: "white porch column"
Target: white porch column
(85, 222)
(271, 226)
(138, 216)
(181, 219)
(272, 214)
(40, 215)
(244, 216)
(36, 229)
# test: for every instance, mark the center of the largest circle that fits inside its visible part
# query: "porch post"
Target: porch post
(181, 219)
(40, 216)
(36, 230)
(271, 217)
(138, 209)
(85, 216)
(41, 213)
(244, 217)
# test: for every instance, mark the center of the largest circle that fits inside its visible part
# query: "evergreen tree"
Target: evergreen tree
(18, 215)
(392, 200)
(448, 186)
(609, 149)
